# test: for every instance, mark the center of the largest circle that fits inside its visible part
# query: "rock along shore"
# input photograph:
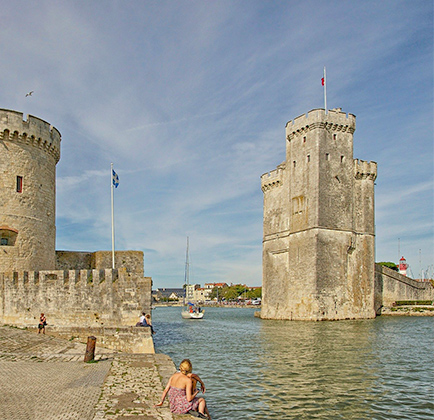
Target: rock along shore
(45, 378)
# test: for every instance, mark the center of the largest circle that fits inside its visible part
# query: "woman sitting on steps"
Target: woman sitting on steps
(182, 398)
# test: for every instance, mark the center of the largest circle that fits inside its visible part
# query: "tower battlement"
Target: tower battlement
(334, 120)
(33, 130)
(272, 179)
(365, 170)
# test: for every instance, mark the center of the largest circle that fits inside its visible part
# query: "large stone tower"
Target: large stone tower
(319, 233)
(29, 153)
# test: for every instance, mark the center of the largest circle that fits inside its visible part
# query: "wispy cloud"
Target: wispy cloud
(189, 99)
(405, 193)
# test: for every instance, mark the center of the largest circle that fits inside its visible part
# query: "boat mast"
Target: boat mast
(187, 271)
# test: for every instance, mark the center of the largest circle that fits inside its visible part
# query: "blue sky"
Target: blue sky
(189, 100)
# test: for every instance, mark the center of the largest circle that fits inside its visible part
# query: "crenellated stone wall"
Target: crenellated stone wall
(74, 298)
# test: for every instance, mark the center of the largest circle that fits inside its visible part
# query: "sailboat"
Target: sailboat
(189, 311)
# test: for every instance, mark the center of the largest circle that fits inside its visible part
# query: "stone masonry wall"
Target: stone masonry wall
(318, 244)
(30, 152)
(67, 260)
(132, 261)
(75, 298)
(391, 286)
(125, 339)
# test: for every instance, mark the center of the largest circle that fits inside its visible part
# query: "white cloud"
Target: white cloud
(189, 99)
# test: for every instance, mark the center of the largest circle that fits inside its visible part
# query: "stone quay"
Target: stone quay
(45, 378)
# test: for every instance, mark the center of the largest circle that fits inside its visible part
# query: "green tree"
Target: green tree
(234, 292)
(391, 265)
(255, 293)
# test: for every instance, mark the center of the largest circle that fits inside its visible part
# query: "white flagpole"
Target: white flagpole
(113, 217)
(325, 90)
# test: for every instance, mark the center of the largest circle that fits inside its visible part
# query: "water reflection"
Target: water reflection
(318, 370)
(254, 369)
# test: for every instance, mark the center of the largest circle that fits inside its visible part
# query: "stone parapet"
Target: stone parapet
(124, 339)
(74, 298)
(333, 120)
(391, 286)
(272, 179)
(365, 170)
(33, 131)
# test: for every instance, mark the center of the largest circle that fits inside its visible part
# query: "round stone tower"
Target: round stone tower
(30, 150)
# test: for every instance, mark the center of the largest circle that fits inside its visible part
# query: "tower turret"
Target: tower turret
(30, 152)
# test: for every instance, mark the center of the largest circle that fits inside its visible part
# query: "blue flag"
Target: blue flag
(115, 179)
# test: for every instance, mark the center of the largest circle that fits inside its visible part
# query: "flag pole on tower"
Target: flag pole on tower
(324, 83)
(114, 184)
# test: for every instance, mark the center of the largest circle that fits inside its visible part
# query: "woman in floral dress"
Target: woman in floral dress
(182, 398)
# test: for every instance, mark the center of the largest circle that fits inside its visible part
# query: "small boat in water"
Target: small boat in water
(190, 311)
(186, 314)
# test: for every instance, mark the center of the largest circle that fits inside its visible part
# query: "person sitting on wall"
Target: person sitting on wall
(142, 322)
(145, 321)
(182, 398)
(42, 324)
(148, 323)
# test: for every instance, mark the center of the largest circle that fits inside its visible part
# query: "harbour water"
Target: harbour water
(257, 369)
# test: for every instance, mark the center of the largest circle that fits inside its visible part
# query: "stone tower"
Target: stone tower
(319, 233)
(30, 151)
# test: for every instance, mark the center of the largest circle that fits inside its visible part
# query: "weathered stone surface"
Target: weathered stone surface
(391, 286)
(30, 151)
(44, 378)
(318, 246)
(124, 339)
(75, 298)
(73, 289)
(319, 229)
(132, 261)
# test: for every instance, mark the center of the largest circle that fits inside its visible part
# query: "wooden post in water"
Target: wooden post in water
(90, 349)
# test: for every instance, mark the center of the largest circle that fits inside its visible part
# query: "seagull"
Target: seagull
(29, 94)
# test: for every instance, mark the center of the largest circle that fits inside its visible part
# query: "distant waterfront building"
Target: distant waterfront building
(201, 294)
(212, 285)
(319, 231)
(190, 291)
(165, 293)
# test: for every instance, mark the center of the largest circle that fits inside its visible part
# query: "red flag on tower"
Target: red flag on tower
(324, 83)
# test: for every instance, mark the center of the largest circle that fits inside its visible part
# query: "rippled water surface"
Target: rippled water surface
(256, 369)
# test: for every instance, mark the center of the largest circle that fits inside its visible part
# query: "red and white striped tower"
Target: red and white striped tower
(403, 266)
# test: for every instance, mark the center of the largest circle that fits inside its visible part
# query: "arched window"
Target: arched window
(8, 236)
